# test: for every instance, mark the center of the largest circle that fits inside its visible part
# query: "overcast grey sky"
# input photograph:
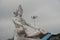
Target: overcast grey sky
(48, 12)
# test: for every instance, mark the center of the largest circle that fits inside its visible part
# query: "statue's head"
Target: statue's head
(19, 12)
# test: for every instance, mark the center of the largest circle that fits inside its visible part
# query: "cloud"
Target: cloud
(6, 28)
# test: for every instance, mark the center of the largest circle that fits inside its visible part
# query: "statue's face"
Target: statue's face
(20, 14)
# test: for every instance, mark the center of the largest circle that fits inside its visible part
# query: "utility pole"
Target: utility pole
(34, 19)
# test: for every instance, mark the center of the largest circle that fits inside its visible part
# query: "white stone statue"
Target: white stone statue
(20, 23)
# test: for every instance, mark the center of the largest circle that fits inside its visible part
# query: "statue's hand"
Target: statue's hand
(42, 31)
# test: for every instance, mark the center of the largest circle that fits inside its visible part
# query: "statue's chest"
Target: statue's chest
(20, 20)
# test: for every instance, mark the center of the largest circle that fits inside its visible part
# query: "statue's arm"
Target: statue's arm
(31, 26)
(16, 22)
